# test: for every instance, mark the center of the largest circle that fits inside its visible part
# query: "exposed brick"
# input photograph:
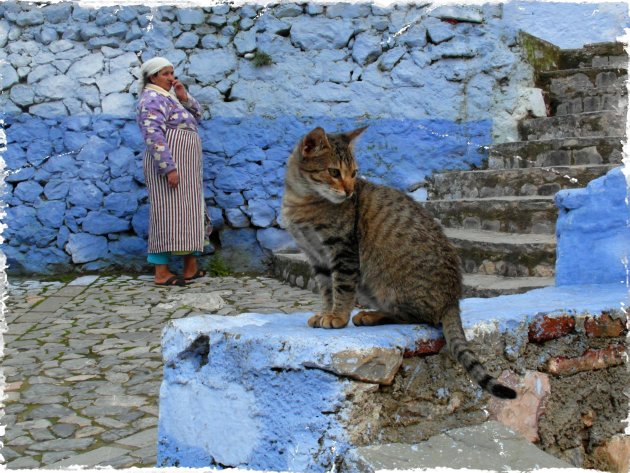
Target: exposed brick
(426, 347)
(604, 326)
(590, 360)
(546, 327)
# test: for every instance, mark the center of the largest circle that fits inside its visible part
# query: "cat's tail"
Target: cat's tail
(460, 351)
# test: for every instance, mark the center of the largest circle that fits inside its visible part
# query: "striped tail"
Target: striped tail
(460, 351)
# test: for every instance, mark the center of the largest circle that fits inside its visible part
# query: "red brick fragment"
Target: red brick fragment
(545, 327)
(590, 360)
(426, 347)
(604, 326)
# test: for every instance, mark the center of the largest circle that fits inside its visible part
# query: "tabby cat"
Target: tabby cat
(375, 244)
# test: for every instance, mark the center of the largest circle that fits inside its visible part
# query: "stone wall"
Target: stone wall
(593, 232)
(436, 86)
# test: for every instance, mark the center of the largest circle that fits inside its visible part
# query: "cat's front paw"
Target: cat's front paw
(328, 321)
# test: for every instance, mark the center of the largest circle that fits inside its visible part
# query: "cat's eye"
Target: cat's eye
(354, 173)
(334, 172)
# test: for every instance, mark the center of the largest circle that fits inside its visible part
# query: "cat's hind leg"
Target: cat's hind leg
(375, 317)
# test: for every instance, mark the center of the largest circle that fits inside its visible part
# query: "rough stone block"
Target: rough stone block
(489, 446)
(615, 454)
(522, 413)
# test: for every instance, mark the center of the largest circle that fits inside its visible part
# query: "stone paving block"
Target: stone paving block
(83, 281)
(141, 439)
(51, 304)
(91, 458)
(489, 446)
(70, 291)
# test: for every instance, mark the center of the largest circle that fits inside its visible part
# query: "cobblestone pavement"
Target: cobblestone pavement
(82, 361)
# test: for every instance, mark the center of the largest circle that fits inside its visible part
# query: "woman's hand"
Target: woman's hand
(173, 178)
(180, 91)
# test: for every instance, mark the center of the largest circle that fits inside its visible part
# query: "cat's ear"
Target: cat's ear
(314, 143)
(354, 134)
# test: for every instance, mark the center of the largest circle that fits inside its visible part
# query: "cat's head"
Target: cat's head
(327, 164)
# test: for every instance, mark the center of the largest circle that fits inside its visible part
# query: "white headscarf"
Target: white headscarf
(150, 67)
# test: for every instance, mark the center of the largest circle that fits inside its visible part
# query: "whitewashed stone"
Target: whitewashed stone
(30, 18)
(119, 105)
(22, 95)
(348, 10)
(211, 66)
(390, 58)
(438, 31)
(414, 37)
(245, 42)
(190, 16)
(4, 32)
(367, 48)
(88, 66)
(24, 47)
(49, 110)
(8, 76)
(470, 14)
(287, 10)
(55, 87)
(407, 73)
(116, 82)
(61, 45)
(124, 61)
(187, 40)
(321, 33)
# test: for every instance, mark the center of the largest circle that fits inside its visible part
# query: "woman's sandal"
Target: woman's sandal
(173, 281)
(199, 274)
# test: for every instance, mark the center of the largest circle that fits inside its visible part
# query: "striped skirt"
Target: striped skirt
(177, 217)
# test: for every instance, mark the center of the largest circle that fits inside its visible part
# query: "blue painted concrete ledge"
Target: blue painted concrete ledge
(266, 392)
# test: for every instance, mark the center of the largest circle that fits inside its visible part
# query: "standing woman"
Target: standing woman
(178, 220)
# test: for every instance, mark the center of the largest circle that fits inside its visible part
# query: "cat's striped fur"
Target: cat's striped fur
(373, 243)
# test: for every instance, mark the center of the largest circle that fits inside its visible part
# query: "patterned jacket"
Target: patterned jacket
(158, 111)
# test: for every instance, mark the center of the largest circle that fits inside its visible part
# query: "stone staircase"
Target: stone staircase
(502, 218)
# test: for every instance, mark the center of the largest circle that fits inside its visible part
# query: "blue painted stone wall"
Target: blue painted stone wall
(435, 84)
(593, 232)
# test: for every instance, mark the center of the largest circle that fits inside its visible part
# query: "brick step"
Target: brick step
(527, 214)
(567, 81)
(590, 124)
(512, 182)
(556, 152)
(294, 269)
(593, 55)
(590, 99)
(504, 254)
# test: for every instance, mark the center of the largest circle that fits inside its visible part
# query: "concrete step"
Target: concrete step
(556, 152)
(594, 55)
(512, 182)
(567, 81)
(482, 285)
(589, 124)
(589, 99)
(294, 269)
(526, 214)
(504, 254)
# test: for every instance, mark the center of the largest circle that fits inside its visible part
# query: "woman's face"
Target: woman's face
(164, 78)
